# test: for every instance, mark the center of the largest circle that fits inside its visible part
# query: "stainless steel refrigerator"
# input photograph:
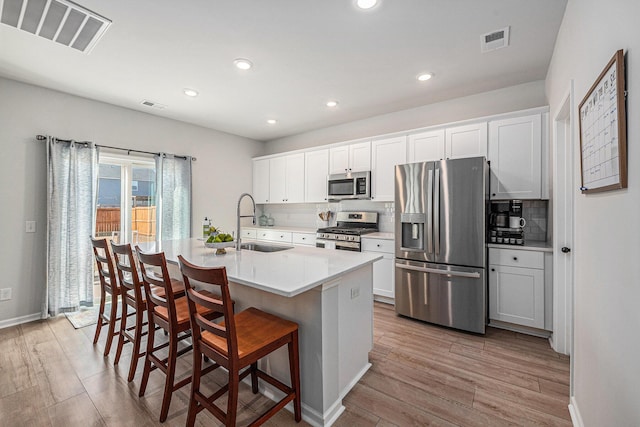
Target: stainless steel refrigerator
(440, 230)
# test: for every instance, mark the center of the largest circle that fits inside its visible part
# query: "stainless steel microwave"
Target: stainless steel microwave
(349, 186)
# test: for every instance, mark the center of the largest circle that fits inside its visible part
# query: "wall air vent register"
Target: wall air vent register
(61, 21)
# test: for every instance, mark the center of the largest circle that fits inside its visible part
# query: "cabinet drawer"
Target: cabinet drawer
(378, 245)
(249, 233)
(303, 239)
(274, 235)
(516, 258)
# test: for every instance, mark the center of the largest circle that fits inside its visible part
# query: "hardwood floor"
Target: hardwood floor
(51, 375)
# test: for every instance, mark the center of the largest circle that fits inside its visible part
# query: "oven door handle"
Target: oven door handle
(474, 275)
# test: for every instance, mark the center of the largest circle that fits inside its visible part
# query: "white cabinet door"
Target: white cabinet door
(316, 169)
(426, 146)
(360, 157)
(466, 141)
(386, 154)
(516, 295)
(286, 179)
(294, 182)
(515, 153)
(261, 180)
(277, 179)
(350, 158)
(384, 277)
(339, 159)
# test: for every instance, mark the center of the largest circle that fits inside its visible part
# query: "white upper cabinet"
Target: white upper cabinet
(286, 179)
(515, 153)
(261, 180)
(316, 168)
(350, 158)
(426, 146)
(385, 155)
(466, 141)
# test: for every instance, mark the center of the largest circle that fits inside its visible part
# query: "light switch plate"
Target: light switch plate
(30, 227)
(355, 293)
(5, 294)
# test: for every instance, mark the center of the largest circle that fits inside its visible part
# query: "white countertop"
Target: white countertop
(281, 228)
(529, 246)
(379, 235)
(287, 273)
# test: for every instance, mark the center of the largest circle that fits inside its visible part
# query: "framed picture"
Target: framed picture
(603, 131)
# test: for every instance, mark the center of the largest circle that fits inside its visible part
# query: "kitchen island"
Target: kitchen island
(327, 292)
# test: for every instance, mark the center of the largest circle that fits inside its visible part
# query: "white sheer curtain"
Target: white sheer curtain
(173, 178)
(71, 175)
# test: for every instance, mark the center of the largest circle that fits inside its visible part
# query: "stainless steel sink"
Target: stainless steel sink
(259, 247)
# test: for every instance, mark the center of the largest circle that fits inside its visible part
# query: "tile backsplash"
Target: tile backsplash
(535, 212)
(306, 214)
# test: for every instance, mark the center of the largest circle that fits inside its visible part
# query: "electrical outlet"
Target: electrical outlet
(30, 227)
(5, 294)
(355, 293)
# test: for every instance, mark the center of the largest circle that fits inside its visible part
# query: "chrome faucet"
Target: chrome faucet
(238, 243)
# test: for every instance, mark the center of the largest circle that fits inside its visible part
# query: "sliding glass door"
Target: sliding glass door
(126, 205)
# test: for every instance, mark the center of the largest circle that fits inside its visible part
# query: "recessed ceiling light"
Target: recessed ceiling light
(332, 103)
(366, 4)
(424, 77)
(243, 64)
(272, 121)
(190, 92)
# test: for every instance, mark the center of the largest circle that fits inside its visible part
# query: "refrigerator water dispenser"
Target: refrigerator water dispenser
(413, 231)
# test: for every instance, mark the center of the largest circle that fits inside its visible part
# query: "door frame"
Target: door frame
(564, 224)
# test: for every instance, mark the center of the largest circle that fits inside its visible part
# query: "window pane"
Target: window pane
(108, 209)
(143, 206)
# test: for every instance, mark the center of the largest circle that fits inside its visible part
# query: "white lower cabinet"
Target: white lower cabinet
(383, 269)
(517, 287)
(281, 236)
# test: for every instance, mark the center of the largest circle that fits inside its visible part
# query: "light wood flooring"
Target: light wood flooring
(51, 375)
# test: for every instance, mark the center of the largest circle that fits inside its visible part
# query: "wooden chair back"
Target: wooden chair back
(106, 272)
(130, 280)
(153, 267)
(216, 276)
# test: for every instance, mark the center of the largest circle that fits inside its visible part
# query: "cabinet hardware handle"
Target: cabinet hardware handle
(378, 245)
(565, 250)
(493, 269)
(515, 258)
(493, 194)
(304, 238)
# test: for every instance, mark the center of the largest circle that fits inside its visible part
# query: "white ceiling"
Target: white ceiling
(304, 53)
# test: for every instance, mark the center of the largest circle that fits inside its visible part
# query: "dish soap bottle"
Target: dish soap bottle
(206, 227)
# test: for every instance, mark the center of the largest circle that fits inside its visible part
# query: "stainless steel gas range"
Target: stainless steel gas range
(346, 234)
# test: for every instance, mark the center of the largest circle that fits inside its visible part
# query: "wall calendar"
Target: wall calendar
(603, 139)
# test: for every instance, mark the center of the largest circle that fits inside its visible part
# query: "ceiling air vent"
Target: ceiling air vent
(153, 105)
(59, 20)
(495, 40)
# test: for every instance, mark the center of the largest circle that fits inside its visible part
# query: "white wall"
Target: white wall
(222, 171)
(520, 97)
(606, 354)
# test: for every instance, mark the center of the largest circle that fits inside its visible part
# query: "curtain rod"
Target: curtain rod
(128, 150)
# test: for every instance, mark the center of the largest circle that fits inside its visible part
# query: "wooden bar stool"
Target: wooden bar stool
(236, 344)
(132, 293)
(172, 315)
(108, 285)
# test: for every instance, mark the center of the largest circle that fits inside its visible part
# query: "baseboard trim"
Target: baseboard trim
(576, 419)
(19, 320)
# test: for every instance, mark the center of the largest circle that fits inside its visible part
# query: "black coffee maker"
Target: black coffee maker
(499, 230)
(515, 208)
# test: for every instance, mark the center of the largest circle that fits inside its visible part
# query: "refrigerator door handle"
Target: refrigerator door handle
(436, 212)
(474, 275)
(430, 212)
